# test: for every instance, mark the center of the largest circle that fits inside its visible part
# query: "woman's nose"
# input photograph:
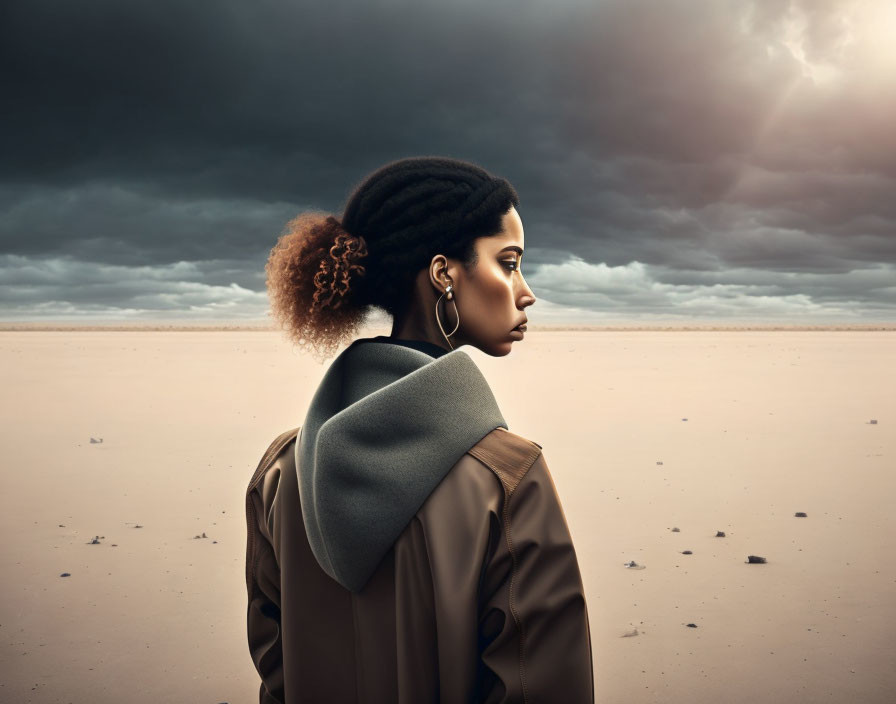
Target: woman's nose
(526, 298)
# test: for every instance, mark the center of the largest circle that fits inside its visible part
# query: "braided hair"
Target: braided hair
(325, 274)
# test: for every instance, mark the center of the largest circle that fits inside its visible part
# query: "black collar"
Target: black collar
(429, 348)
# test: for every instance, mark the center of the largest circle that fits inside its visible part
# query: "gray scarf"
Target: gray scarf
(384, 427)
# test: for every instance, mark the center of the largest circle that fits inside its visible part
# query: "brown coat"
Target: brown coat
(480, 599)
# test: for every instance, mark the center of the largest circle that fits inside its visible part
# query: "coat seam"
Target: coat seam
(522, 647)
(432, 591)
(415, 522)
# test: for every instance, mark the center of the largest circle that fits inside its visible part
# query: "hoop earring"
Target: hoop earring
(450, 295)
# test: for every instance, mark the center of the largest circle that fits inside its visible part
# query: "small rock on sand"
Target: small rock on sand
(686, 552)
(720, 534)
(631, 634)
(755, 560)
(692, 625)
(676, 530)
(66, 574)
(800, 514)
(634, 565)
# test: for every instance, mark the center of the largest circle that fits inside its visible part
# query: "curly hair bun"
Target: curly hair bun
(316, 310)
(332, 279)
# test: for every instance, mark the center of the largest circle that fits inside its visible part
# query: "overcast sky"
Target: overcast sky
(675, 159)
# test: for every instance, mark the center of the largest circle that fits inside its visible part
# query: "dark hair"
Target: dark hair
(324, 274)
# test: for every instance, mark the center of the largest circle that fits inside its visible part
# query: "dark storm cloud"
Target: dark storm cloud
(677, 146)
(114, 224)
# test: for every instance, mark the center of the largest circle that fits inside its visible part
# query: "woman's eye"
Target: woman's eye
(512, 263)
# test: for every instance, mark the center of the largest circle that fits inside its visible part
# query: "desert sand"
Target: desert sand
(644, 432)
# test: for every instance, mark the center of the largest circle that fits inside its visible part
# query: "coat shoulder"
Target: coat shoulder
(507, 454)
(273, 453)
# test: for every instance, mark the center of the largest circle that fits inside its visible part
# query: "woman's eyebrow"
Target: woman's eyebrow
(514, 248)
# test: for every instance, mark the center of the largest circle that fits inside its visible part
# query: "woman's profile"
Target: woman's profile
(403, 544)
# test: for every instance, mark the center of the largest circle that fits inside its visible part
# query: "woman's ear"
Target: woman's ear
(439, 273)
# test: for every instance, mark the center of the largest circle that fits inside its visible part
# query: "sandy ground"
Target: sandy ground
(776, 422)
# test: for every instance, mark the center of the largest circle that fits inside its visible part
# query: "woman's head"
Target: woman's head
(408, 230)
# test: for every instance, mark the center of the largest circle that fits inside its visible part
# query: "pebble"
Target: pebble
(755, 560)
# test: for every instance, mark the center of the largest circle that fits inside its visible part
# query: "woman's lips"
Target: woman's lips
(517, 333)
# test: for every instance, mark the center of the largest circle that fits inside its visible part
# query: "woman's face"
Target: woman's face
(490, 299)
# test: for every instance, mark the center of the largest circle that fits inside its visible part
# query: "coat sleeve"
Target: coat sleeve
(534, 635)
(263, 583)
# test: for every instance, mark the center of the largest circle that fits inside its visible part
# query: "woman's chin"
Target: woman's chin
(499, 349)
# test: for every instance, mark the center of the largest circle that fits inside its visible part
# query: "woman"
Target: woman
(403, 545)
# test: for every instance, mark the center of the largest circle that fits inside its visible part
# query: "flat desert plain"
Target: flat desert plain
(656, 441)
